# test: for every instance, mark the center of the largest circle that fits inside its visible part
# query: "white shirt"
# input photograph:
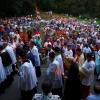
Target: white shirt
(28, 79)
(69, 54)
(36, 54)
(54, 74)
(88, 68)
(65, 50)
(97, 40)
(48, 55)
(11, 53)
(99, 52)
(93, 97)
(86, 50)
(2, 72)
(60, 60)
(9, 69)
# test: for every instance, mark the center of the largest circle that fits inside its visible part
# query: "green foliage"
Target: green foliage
(71, 7)
(16, 7)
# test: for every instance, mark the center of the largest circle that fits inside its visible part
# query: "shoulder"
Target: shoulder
(98, 51)
(92, 63)
(55, 97)
(55, 62)
(25, 64)
(37, 97)
(91, 97)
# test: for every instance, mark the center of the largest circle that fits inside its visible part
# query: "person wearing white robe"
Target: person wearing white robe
(28, 76)
(10, 50)
(28, 79)
(87, 68)
(55, 75)
(3, 76)
(59, 58)
(35, 52)
(2, 72)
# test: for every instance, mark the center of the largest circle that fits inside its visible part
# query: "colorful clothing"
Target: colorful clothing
(97, 61)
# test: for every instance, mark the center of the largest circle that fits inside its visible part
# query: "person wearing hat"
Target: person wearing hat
(87, 70)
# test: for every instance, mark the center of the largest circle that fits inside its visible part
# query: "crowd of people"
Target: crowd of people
(70, 48)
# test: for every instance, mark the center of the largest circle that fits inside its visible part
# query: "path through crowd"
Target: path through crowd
(13, 92)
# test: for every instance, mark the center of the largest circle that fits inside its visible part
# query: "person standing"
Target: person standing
(47, 92)
(58, 57)
(28, 79)
(2, 73)
(54, 74)
(11, 52)
(87, 71)
(97, 62)
(86, 50)
(96, 95)
(72, 82)
(35, 52)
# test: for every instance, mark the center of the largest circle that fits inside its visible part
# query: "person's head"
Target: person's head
(97, 87)
(5, 44)
(22, 55)
(57, 50)
(32, 44)
(89, 57)
(51, 56)
(78, 51)
(69, 46)
(65, 44)
(49, 47)
(86, 45)
(46, 87)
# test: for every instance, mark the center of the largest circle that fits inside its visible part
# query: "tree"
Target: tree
(16, 7)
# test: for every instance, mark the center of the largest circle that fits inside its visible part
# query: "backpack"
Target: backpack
(6, 59)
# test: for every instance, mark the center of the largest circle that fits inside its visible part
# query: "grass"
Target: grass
(98, 21)
(44, 15)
